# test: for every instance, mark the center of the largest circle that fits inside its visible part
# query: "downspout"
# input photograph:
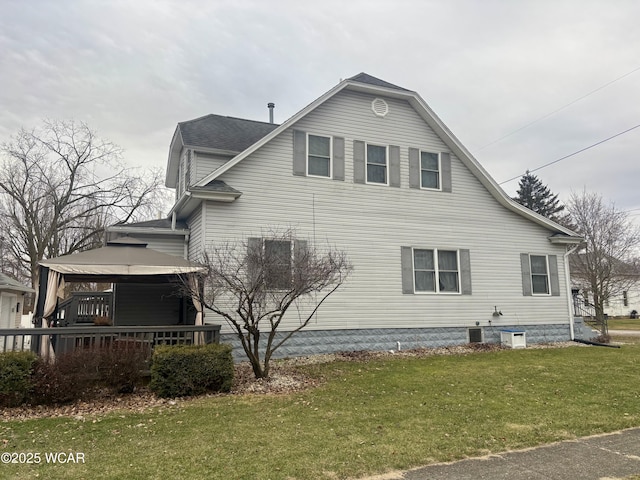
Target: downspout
(567, 277)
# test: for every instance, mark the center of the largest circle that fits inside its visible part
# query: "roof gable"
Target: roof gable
(371, 80)
(375, 86)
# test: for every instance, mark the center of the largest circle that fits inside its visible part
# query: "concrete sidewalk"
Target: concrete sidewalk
(608, 456)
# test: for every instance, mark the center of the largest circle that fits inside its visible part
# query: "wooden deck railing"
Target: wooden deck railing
(84, 307)
(66, 339)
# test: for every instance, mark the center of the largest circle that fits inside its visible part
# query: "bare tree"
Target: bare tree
(60, 185)
(254, 283)
(605, 264)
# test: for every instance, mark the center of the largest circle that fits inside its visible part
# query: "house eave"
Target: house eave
(225, 197)
(193, 198)
(565, 240)
(16, 288)
(173, 162)
(214, 151)
(150, 230)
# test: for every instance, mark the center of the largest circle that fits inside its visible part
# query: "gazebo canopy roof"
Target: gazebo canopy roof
(121, 257)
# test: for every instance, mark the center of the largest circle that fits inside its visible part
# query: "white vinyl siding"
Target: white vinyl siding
(373, 224)
(196, 240)
(205, 164)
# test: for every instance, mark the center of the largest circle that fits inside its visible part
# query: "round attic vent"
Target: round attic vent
(379, 107)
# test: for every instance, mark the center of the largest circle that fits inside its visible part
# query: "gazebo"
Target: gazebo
(146, 294)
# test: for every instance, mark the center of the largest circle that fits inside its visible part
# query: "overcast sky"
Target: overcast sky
(133, 69)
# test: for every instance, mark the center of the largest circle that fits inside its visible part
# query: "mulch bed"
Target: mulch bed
(285, 378)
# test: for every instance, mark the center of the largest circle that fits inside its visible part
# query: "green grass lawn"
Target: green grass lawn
(624, 324)
(368, 417)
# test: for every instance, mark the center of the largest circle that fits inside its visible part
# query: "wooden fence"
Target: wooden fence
(59, 340)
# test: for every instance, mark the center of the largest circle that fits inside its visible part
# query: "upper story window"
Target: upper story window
(436, 271)
(539, 275)
(430, 170)
(319, 156)
(377, 164)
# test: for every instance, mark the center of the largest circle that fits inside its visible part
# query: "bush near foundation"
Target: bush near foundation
(15, 377)
(122, 369)
(183, 370)
(71, 377)
(81, 373)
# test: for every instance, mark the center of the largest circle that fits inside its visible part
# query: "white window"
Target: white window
(430, 170)
(539, 275)
(436, 271)
(319, 156)
(377, 164)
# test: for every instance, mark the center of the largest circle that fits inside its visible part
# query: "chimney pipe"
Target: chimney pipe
(271, 106)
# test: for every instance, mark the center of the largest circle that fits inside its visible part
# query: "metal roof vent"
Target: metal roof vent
(379, 107)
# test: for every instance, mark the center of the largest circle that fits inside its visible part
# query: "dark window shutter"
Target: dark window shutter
(300, 259)
(299, 152)
(338, 158)
(394, 166)
(526, 274)
(406, 262)
(554, 280)
(445, 165)
(465, 272)
(414, 168)
(358, 161)
(299, 248)
(254, 255)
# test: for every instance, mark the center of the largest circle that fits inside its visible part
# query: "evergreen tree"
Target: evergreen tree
(536, 196)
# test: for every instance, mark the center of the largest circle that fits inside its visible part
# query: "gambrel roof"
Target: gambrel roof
(364, 83)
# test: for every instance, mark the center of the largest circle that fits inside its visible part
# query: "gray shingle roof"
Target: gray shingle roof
(223, 133)
(216, 186)
(159, 223)
(371, 80)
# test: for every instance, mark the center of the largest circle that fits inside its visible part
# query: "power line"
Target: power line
(572, 154)
(558, 109)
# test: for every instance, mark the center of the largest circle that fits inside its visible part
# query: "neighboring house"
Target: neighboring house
(441, 254)
(622, 302)
(12, 295)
